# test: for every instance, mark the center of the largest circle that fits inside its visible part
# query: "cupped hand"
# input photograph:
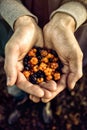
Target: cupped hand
(26, 35)
(59, 35)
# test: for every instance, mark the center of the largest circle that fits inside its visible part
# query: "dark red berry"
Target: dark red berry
(33, 79)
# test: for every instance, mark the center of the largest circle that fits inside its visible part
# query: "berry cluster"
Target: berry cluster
(41, 64)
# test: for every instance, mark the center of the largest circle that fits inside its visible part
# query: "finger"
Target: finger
(47, 93)
(11, 67)
(72, 79)
(28, 87)
(34, 98)
(49, 85)
(20, 65)
(75, 73)
(60, 87)
(65, 69)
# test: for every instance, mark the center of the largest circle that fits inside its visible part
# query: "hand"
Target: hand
(26, 35)
(59, 35)
(51, 89)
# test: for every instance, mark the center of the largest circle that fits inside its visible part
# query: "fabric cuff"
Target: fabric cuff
(13, 10)
(74, 9)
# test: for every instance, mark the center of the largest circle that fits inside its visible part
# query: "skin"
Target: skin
(26, 35)
(58, 34)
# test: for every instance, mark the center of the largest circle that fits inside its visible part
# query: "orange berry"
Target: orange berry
(50, 55)
(43, 66)
(55, 59)
(56, 76)
(49, 77)
(32, 52)
(48, 71)
(54, 65)
(26, 73)
(34, 61)
(35, 68)
(39, 80)
(44, 52)
(45, 60)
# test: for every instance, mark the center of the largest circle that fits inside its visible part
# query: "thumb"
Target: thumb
(73, 77)
(11, 69)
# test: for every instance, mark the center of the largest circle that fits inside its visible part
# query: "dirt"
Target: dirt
(69, 108)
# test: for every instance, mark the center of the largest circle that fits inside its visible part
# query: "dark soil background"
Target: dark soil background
(69, 109)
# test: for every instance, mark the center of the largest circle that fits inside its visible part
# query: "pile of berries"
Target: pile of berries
(41, 64)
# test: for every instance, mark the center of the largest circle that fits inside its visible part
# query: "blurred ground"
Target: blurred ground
(69, 109)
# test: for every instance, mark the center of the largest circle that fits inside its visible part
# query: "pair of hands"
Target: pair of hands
(58, 34)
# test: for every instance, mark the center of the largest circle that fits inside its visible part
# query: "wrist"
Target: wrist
(24, 21)
(64, 20)
(75, 9)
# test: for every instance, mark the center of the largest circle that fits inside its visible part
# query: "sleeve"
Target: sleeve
(10, 10)
(74, 9)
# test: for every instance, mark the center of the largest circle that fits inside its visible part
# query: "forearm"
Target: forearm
(11, 10)
(74, 9)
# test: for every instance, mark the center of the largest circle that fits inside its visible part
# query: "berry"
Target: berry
(40, 74)
(34, 61)
(42, 64)
(56, 76)
(33, 79)
(54, 53)
(39, 80)
(50, 59)
(26, 73)
(26, 59)
(38, 53)
(27, 66)
(44, 52)
(39, 57)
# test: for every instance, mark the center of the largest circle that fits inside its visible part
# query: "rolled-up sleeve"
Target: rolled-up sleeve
(10, 10)
(74, 9)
